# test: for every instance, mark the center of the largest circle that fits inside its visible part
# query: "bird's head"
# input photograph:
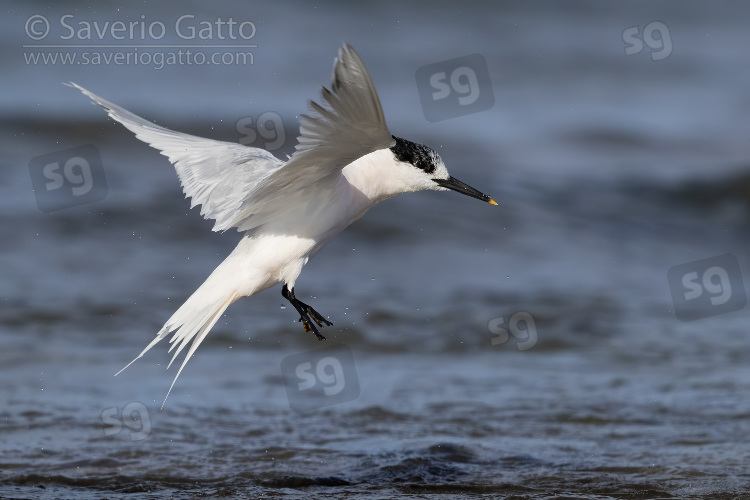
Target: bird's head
(427, 170)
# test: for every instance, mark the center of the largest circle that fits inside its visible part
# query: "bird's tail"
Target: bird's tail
(195, 318)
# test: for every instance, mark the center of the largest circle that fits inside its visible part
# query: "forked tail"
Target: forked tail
(195, 318)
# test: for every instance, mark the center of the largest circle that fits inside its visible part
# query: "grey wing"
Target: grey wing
(246, 187)
(349, 126)
(352, 126)
(218, 175)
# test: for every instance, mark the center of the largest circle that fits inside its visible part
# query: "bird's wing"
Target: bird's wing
(246, 187)
(347, 127)
(217, 175)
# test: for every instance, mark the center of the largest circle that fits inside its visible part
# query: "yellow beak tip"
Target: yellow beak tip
(492, 202)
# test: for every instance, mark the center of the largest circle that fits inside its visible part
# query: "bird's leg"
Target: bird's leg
(308, 316)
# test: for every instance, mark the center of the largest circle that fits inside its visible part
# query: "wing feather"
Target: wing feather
(349, 126)
(244, 187)
(216, 175)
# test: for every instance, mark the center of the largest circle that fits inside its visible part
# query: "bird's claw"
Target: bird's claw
(309, 327)
(317, 317)
(308, 316)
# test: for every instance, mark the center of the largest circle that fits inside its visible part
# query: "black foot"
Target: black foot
(307, 315)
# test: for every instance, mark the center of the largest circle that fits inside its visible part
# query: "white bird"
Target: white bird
(346, 162)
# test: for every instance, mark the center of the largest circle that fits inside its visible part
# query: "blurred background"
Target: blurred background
(586, 336)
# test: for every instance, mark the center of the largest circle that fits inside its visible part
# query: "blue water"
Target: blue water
(610, 170)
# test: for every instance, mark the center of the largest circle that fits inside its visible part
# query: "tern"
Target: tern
(345, 162)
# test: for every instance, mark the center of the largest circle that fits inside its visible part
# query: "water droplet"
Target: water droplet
(283, 307)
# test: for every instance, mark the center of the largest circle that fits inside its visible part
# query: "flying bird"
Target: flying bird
(345, 162)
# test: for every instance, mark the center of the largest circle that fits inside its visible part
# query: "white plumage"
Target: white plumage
(346, 162)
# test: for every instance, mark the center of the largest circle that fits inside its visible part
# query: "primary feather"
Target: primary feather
(250, 189)
(238, 186)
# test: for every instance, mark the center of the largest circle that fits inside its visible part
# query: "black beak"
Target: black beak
(456, 185)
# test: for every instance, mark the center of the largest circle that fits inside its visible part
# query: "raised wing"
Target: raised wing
(349, 126)
(246, 187)
(215, 174)
(352, 126)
